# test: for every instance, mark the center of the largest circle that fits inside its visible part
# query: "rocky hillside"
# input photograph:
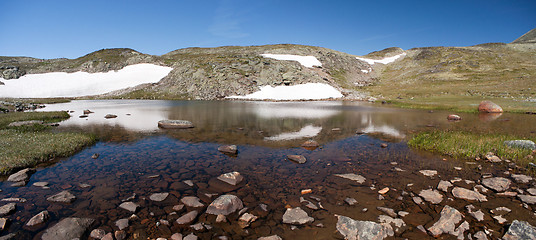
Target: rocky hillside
(529, 37)
(210, 73)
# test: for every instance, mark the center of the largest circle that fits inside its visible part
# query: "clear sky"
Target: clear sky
(73, 28)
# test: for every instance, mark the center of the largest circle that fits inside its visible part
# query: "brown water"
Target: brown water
(137, 157)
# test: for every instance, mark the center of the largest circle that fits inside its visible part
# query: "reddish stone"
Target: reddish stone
(489, 107)
(454, 117)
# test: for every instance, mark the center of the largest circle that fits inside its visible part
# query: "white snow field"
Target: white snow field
(383, 61)
(61, 84)
(307, 61)
(307, 91)
(307, 131)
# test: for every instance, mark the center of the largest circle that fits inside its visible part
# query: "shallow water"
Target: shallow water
(137, 157)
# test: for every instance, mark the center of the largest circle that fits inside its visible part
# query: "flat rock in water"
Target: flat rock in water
(527, 199)
(354, 230)
(62, 197)
(230, 149)
(444, 185)
(40, 218)
(354, 177)
(225, 205)
(532, 191)
(246, 219)
(122, 223)
(350, 201)
(110, 116)
(273, 237)
(478, 215)
(40, 184)
(22, 175)
(520, 178)
(447, 222)
(498, 184)
(528, 144)
(489, 107)
(467, 194)
(296, 216)
(454, 117)
(232, 178)
(158, 197)
(310, 145)
(175, 124)
(68, 229)
(520, 230)
(187, 218)
(432, 196)
(7, 209)
(192, 201)
(428, 173)
(388, 211)
(129, 206)
(297, 158)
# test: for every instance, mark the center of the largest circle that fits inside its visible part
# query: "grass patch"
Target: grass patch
(24, 149)
(465, 145)
(27, 146)
(37, 100)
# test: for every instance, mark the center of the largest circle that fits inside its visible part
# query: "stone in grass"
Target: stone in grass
(68, 228)
(40, 218)
(528, 144)
(232, 178)
(229, 149)
(178, 124)
(297, 158)
(225, 205)
(520, 230)
(62, 197)
(296, 216)
(354, 230)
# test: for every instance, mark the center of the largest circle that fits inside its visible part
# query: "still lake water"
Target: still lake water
(135, 156)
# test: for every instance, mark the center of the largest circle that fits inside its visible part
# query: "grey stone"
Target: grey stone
(432, 196)
(297, 158)
(187, 218)
(354, 230)
(7, 209)
(520, 178)
(191, 201)
(175, 124)
(129, 206)
(158, 197)
(351, 176)
(40, 184)
(388, 211)
(68, 229)
(21, 200)
(97, 233)
(532, 191)
(232, 178)
(480, 235)
(528, 199)
(22, 175)
(176, 236)
(190, 236)
(478, 215)
(417, 200)
(62, 197)
(350, 201)
(467, 194)
(231, 149)
(296, 216)
(221, 218)
(447, 222)
(528, 144)
(520, 230)
(39, 218)
(122, 223)
(392, 224)
(498, 184)
(444, 185)
(428, 173)
(225, 205)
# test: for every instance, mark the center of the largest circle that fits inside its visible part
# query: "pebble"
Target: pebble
(384, 190)
(350, 201)
(428, 173)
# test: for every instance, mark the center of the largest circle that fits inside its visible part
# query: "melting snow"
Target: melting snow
(307, 131)
(307, 61)
(384, 61)
(61, 84)
(308, 91)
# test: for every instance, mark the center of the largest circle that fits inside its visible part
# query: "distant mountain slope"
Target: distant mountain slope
(529, 37)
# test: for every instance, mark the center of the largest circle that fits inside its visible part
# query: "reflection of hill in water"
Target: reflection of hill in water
(263, 123)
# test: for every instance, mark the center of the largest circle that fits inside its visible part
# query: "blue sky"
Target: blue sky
(52, 29)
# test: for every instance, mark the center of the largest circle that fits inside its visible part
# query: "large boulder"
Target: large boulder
(68, 228)
(489, 107)
(225, 205)
(357, 230)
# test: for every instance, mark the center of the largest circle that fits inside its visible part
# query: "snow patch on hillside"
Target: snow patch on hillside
(308, 91)
(383, 61)
(61, 84)
(307, 61)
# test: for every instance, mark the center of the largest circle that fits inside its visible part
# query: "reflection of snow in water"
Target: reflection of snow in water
(307, 131)
(295, 110)
(142, 117)
(366, 120)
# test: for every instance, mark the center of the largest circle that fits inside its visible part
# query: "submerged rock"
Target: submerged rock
(40, 218)
(467, 194)
(246, 219)
(351, 176)
(122, 223)
(68, 228)
(444, 185)
(297, 158)
(428, 173)
(520, 230)
(191, 201)
(129, 206)
(230, 149)
(22, 175)
(478, 215)
(225, 205)
(273, 237)
(175, 124)
(7, 209)
(527, 199)
(310, 145)
(187, 218)
(62, 197)
(432, 196)
(357, 230)
(498, 184)
(296, 216)
(158, 197)
(447, 222)
(520, 178)
(232, 178)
